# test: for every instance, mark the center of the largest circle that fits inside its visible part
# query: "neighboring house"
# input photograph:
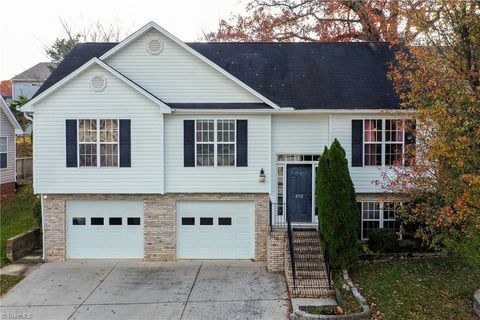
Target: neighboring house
(29, 81)
(9, 127)
(157, 149)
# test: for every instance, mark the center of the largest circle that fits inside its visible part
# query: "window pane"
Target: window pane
(393, 154)
(87, 129)
(224, 221)
(206, 221)
(372, 130)
(88, 155)
(108, 155)
(133, 221)
(205, 154)
(226, 130)
(115, 221)
(373, 154)
(109, 130)
(78, 221)
(225, 154)
(3, 144)
(188, 221)
(96, 221)
(368, 227)
(394, 130)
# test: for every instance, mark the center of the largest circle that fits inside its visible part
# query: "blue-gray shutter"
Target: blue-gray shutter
(410, 141)
(189, 143)
(357, 143)
(71, 142)
(125, 143)
(242, 143)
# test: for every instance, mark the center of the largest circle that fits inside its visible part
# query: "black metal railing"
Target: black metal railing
(291, 246)
(328, 264)
(278, 216)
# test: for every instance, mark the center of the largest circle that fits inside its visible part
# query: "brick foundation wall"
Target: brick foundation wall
(159, 222)
(7, 190)
(276, 251)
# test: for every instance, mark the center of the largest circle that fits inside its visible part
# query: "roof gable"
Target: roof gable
(29, 107)
(8, 113)
(177, 65)
(38, 73)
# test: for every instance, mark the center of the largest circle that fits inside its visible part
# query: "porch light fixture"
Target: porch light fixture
(261, 176)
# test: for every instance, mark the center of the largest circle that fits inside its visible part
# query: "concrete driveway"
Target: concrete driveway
(146, 290)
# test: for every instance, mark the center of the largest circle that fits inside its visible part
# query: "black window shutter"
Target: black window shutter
(125, 143)
(71, 142)
(189, 143)
(410, 140)
(3, 160)
(357, 143)
(359, 233)
(242, 143)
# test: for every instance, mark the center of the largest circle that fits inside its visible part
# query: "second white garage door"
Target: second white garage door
(215, 230)
(105, 229)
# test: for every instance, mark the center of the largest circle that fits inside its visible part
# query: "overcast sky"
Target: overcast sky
(27, 26)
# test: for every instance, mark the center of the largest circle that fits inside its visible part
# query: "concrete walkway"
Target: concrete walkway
(146, 290)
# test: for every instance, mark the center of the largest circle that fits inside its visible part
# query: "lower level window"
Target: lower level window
(3, 152)
(378, 215)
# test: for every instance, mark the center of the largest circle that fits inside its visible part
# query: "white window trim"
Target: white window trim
(98, 143)
(381, 219)
(6, 151)
(215, 142)
(383, 142)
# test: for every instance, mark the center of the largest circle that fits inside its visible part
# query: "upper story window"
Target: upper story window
(3, 152)
(215, 142)
(383, 142)
(98, 142)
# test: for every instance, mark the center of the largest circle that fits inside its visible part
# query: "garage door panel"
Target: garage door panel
(230, 236)
(119, 235)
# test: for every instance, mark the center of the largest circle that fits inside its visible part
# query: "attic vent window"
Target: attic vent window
(99, 83)
(154, 46)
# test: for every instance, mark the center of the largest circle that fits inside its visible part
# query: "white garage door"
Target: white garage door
(105, 229)
(215, 230)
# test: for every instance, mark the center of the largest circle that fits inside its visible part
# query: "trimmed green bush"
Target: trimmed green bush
(37, 211)
(383, 241)
(337, 207)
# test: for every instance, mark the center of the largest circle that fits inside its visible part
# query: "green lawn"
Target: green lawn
(16, 217)
(424, 289)
(6, 282)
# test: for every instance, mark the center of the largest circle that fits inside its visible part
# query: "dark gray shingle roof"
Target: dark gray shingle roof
(303, 75)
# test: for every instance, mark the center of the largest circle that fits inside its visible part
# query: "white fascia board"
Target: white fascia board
(293, 111)
(10, 116)
(153, 25)
(29, 107)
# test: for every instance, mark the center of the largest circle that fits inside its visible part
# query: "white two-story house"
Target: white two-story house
(157, 149)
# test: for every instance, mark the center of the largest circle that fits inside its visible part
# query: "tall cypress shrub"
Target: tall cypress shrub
(337, 208)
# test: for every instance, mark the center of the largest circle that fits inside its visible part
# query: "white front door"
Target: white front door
(105, 229)
(215, 230)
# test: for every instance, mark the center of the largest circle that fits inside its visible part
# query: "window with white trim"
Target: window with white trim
(98, 142)
(3, 152)
(215, 143)
(378, 215)
(383, 142)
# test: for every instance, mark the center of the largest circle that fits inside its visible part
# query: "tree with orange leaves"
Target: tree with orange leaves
(441, 82)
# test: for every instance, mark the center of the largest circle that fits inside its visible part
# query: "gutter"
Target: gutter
(292, 111)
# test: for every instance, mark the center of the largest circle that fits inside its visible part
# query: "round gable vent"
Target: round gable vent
(154, 46)
(99, 83)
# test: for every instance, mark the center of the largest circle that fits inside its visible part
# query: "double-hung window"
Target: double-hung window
(215, 142)
(383, 142)
(98, 142)
(3, 152)
(378, 215)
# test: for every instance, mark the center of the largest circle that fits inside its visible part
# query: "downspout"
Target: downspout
(43, 228)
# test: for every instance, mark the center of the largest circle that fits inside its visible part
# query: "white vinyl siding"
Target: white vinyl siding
(221, 178)
(364, 178)
(176, 75)
(8, 131)
(76, 100)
